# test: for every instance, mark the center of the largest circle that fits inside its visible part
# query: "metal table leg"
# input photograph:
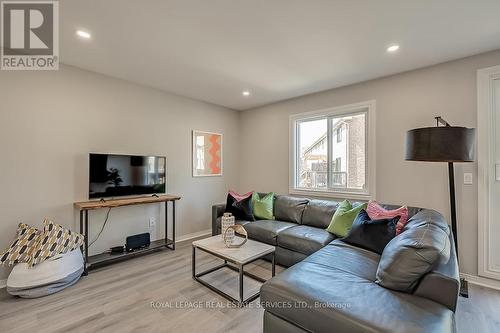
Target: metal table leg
(166, 224)
(193, 263)
(241, 283)
(86, 216)
(82, 248)
(234, 266)
(273, 265)
(81, 228)
(173, 225)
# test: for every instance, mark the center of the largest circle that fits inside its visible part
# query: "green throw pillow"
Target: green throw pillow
(343, 218)
(263, 207)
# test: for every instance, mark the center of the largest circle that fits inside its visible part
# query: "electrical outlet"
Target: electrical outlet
(152, 222)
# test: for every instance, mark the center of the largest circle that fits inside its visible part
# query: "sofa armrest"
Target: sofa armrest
(217, 211)
(442, 284)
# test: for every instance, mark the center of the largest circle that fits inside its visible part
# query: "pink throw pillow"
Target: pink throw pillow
(240, 197)
(376, 212)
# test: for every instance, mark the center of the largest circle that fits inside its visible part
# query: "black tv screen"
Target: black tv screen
(113, 175)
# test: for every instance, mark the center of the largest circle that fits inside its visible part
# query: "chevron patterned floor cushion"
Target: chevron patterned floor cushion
(54, 240)
(20, 249)
(48, 277)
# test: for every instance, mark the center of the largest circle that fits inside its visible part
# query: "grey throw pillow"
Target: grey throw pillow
(410, 255)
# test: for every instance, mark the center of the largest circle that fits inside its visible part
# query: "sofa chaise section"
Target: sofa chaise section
(335, 288)
(330, 285)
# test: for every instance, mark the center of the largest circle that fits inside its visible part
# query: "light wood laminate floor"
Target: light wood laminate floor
(155, 293)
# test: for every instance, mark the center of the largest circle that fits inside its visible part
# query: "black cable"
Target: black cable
(102, 229)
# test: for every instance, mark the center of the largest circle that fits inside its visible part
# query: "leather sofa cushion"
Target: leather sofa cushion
(304, 239)
(289, 209)
(318, 213)
(412, 254)
(287, 258)
(334, 289)
(266, 231)
(349, 258)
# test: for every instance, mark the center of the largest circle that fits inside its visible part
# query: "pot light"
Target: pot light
(83, 34)
(393, 48)
(246, 93)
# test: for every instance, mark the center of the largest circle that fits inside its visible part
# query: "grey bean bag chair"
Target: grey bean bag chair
(48, 277)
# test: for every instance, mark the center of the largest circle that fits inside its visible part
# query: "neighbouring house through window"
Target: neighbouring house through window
(330, 151)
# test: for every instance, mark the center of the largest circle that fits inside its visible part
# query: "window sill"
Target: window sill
(331, 194)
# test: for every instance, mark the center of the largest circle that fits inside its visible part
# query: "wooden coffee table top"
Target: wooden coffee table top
(250, 251)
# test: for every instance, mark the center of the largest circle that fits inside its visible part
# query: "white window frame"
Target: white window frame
(367, 107)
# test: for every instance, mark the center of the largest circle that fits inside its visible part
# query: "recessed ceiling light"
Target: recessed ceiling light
(246, 93)
(393, 48)
(83, 34)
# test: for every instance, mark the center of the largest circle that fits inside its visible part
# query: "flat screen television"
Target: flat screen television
(112, 175)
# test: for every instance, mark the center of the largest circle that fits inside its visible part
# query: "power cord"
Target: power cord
(102, 229)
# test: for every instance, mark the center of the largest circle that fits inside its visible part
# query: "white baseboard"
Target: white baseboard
(3, 283)
(193, 235)
(481, 281)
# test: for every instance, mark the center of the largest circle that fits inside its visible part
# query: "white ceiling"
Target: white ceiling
(212, 50)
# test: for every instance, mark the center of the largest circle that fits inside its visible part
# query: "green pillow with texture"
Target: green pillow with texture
(263, 207)
(343, 218)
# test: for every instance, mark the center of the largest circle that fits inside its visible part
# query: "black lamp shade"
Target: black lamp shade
(440, 144)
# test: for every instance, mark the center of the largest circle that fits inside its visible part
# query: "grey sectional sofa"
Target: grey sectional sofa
(330, 285)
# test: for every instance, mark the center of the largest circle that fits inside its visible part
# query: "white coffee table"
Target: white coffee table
(239, 257)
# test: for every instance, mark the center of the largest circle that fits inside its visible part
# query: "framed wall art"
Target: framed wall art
(207, 154)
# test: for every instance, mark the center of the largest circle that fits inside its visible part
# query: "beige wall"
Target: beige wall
(404, 101)
(50, 121)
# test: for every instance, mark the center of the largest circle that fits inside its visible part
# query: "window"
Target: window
(330, 152)
(313, 154)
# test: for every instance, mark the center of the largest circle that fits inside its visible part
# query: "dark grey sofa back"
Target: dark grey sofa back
(289, 209)
(319, 213)
(312, 212)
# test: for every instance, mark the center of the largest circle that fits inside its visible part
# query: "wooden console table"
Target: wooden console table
(101, 259)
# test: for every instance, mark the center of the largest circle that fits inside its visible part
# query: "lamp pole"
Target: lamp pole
(453, 207)
(464, 290)
(451, 179)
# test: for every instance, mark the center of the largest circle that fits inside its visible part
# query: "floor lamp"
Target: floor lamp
(443, 143)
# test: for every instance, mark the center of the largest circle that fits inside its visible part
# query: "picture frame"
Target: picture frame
(207, 154)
